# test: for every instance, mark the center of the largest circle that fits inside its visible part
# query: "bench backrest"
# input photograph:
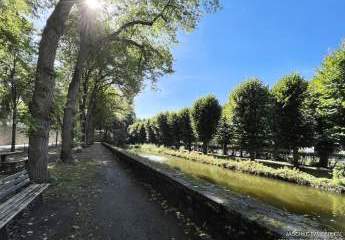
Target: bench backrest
(9, 153)
(11, 184)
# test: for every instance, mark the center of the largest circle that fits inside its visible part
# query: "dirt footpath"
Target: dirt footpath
(99, 197)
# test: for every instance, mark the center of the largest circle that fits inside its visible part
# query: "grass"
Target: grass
(250, 167)
(68, 179)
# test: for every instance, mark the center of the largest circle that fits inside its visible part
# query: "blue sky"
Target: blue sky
(247, 38)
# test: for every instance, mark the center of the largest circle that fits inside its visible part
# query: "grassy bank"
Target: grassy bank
(251, 167)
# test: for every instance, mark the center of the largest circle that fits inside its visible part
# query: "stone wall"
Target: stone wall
(225, 214)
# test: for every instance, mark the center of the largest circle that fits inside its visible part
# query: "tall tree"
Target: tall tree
(187, 133)
(138, 24)
(292, 129)
(250, 110)
(16, 49)
(44, 91)
(164, 131)
(205, 115)
(151, 131)
(327, 99)
(74, 86)
(223, 134)
(175, 129)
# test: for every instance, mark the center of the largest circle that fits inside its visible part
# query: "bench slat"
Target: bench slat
(15, 199)
(13, 188)
(18, 202)
(13, 181)
(9, 178)
(9, 153)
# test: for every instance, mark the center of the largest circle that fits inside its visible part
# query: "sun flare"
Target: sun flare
(92, 4)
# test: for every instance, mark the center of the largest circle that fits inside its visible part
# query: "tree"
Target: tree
(250, 110)
(74, 86)
(44, 91)
(139, 27)
(16, 49)
(151, 131)
(292, 129)
(205, 115)
(164, 131)
(111, 106)
(170, 16)
(186, 129)
(223, 134)
(327, 101)
(137, 132)
(175, 129)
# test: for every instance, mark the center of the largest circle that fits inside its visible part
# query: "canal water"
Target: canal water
(324, 207)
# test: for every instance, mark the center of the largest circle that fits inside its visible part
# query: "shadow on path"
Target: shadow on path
(107, 202)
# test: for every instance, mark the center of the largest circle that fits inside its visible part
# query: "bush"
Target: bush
(339, 173)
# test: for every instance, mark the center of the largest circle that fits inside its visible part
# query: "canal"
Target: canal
(324, 207)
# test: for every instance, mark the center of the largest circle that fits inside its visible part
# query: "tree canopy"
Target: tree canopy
(249, 109)
(291, 127)
(205, 115)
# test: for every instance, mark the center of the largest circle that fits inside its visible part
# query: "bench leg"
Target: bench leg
(3, 233)
(37, 202)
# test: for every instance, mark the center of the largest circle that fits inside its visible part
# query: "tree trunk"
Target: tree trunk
(295, 156)
(225, 149)
(189, 147)
(82, 108)
(14, 106)
(73, 92)
(324, 156)
(41, 103)
(252, 156)
(89, 129)
(56, 137)
(204, 147)
(14, 128)
(89, 123)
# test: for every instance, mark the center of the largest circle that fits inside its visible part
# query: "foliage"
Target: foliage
(151, 131)
(326, 105)
(328, 86)
(164, 132)
(16, 67)
(175, 129)
(205, 115)
(137, 133)
(339, 172)
(224, 133)
(291, 126)
(110, 105)
(186, 129)
(249, 109)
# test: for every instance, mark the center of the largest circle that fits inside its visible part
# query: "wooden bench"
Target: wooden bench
(16, 193)
(4, 155)
(10, 166)
(13, 166)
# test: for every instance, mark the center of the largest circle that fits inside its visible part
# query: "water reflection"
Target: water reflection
(324, 207)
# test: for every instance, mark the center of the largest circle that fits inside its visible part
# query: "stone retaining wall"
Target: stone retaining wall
(225, 214)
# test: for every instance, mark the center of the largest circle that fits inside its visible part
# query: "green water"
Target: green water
(324, 207)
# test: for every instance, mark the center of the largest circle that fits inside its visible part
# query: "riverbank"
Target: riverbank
(285, 174)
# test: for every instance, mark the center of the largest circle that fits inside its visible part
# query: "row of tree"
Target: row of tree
(90, 62)
(293, 114)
